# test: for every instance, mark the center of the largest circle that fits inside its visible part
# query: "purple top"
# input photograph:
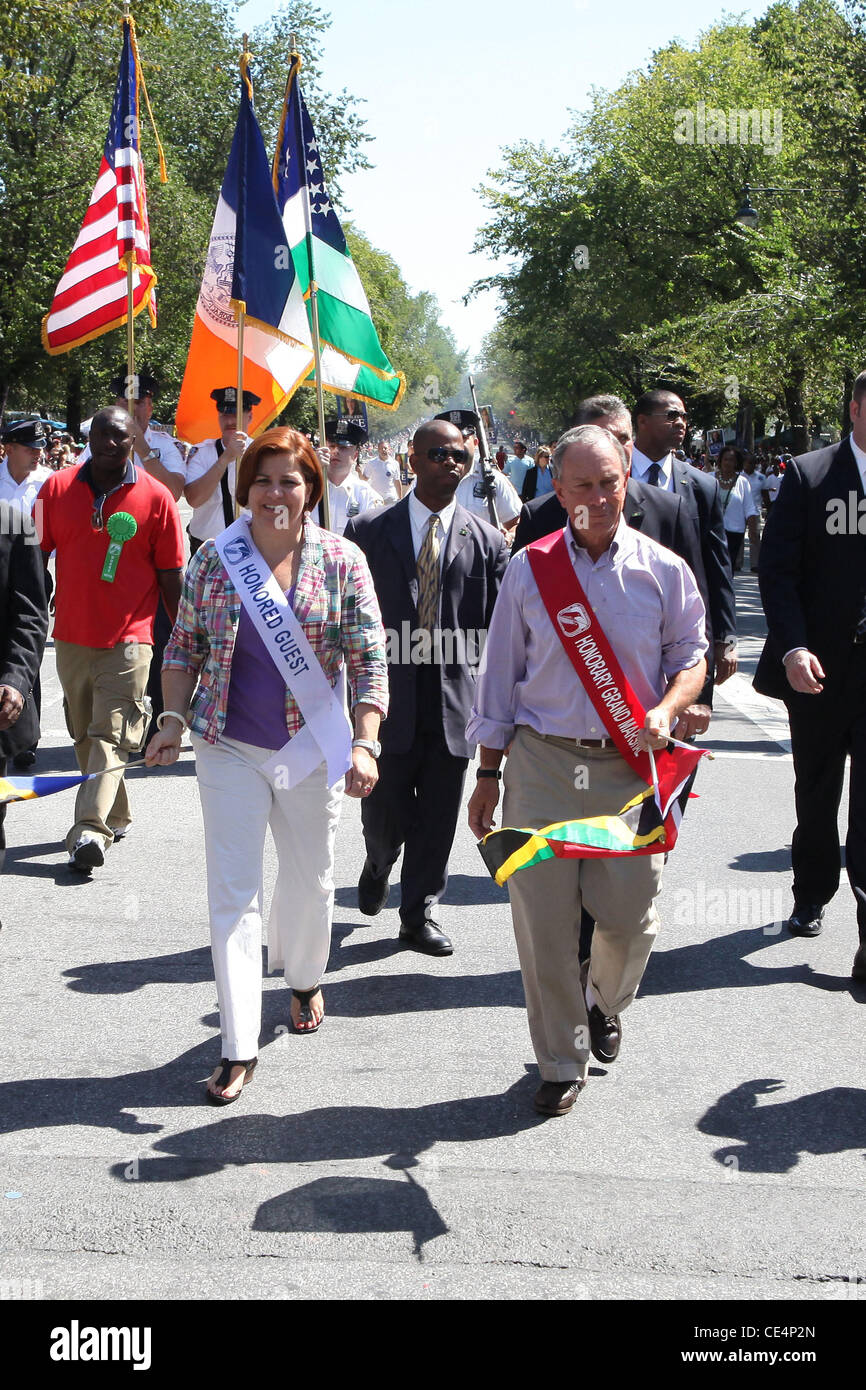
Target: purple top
(256, 708)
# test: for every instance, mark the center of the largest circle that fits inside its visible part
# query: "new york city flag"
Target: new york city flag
(353, 363)
(249, 268)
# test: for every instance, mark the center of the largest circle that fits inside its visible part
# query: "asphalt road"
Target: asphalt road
(396, 1153)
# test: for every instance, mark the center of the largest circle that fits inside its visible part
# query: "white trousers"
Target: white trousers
(238, 804)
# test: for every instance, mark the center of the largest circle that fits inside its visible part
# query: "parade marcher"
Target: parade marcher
(23, 629)
(22, 474)
(530, 699)
(119, 545)
(437, 569)
(211, 468)
(660, 427)
(813, 587)
(382, 472)
(754, 476)
(22, 471)
(157, 453)
(738, 507)
(272, 612)
(472, 493)
(538, 481)
(518, 466)
(348, 494)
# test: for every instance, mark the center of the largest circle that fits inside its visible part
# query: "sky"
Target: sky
(446, 85)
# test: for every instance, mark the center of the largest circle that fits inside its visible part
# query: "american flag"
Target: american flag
(90, 298)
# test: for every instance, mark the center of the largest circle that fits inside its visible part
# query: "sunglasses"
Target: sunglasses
(442, 452)
(670, 415)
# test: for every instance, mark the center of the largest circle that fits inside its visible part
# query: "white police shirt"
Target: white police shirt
(208, 518)
(351, 497)
(470, 495)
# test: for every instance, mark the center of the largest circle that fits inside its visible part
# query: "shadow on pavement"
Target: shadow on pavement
(721, 964)
(769, 861)
(772, 1137)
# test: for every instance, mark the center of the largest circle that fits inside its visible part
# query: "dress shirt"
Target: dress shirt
(544, 482)
(22, 493)
(348, 498)
(207, 518)
(648, 604)
(508, 501)
(860, 459)
(419, 516)
(640, 466)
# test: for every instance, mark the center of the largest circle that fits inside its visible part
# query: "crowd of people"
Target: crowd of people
(571, 608)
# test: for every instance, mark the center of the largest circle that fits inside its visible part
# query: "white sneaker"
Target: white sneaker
(87, 855)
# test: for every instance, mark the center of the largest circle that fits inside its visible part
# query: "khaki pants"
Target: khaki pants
(103, 700)
(546, 900)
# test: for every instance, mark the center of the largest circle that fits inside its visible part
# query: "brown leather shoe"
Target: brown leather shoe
(858, 970)
(557, 1097)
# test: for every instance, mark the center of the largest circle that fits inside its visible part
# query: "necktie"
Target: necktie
(653, 473)
(427, 567)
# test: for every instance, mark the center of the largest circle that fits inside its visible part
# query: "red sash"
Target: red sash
(588, 649)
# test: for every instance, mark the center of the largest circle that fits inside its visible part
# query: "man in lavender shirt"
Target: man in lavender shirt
(562, 764)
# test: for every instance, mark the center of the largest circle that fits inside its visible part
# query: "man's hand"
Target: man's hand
(725, 655)
(324, 454)
(482, 804)
(693, 721)
(805, 672)
(11, 705)
(140, 446)
(656, 729)
(235, 447)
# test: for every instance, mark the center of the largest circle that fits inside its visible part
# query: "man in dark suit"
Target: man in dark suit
(813, 585)
(23, 629)
(437, 569)
(660, 428)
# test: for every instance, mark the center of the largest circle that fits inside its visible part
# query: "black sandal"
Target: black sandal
(307, 1016)
(225, 1077)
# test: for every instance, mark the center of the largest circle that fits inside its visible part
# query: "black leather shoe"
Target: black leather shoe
(372, 892)
(858, 970)
(427, 938)
(805, 920)
(25, 760)
(605, 1030)
(557, 1097)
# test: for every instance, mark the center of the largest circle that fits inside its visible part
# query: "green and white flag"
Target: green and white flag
(353, 363)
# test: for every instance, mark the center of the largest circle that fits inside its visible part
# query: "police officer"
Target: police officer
(471, 492)
(348, 494)
(211, 467)
(156, 452)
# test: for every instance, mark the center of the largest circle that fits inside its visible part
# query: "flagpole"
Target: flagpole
(239, 407)
(325, 504)
(131, 393)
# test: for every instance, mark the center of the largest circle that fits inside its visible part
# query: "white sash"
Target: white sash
(327, 733)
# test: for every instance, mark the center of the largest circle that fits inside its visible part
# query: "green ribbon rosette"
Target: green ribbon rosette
(121, 527)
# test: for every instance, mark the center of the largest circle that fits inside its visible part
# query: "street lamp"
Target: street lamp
(748, 215)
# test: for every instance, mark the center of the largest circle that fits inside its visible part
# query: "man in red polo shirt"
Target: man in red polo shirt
(119, 545)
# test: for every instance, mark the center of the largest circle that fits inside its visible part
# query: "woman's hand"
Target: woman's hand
(362, 775)
(164, 747)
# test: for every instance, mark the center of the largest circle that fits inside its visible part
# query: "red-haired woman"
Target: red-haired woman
(272, 611)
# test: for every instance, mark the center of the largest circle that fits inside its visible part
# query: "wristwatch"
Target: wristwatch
(372, 745)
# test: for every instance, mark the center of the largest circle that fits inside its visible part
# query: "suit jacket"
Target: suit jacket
(657, 513)
(475, 559)
(813, 570)
(23, 629)
(701, 497)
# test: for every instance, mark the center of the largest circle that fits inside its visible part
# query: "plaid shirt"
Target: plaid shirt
(335, 603)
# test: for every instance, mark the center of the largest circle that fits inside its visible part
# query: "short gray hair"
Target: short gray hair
(593, 435)
(596, 407)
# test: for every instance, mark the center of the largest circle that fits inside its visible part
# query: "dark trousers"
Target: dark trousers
(823, 733)
(735, 545)
(2, 819)
(162, 626)
(415, 806)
